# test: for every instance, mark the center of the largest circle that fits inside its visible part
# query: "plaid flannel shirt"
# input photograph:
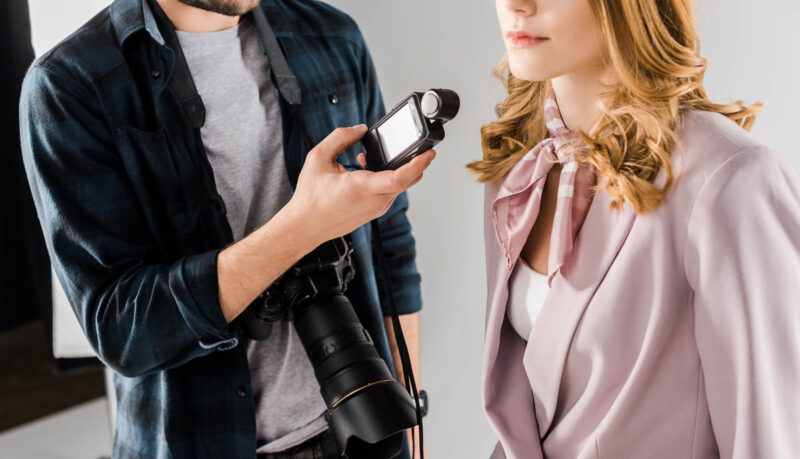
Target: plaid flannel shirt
(134, 227)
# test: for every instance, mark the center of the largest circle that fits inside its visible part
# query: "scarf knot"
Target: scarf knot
(519, 196)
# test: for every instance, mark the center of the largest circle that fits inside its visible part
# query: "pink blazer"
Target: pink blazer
(670, 335)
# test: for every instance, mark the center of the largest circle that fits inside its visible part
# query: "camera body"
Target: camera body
(412, 127)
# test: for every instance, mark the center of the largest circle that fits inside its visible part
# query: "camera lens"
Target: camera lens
(368, 411)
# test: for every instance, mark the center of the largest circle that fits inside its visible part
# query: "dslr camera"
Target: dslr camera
(368, 411)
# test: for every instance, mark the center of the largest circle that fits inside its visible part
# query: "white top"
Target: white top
(527, 290)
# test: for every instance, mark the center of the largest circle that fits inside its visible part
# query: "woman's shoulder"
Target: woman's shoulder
(708, 141)
(727, 166)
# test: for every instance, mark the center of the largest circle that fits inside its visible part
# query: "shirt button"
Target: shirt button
(334, 99)
(240, 391)
(155, 74)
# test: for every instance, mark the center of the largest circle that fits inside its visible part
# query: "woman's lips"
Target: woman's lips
(522, 39)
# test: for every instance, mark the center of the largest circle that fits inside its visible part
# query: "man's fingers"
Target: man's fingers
(396, 181)
(338, 140)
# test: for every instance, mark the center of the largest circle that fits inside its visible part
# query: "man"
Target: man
(161, 241)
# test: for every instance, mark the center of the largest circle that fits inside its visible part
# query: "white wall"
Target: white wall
(754, 54)
(53, 20)
(753, 50)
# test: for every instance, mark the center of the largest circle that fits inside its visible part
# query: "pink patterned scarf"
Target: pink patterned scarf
(518, 200)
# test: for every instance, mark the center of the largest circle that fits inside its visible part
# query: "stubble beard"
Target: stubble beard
(226, 7)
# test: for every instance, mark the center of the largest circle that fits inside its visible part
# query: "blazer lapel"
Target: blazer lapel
(509, 234)
(596, 246)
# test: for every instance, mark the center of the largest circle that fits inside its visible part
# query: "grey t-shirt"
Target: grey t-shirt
(242, 137)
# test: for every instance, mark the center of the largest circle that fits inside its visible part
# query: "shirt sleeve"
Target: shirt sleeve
(398, 241)
(139, 315)
(742, 259)
(400, 252)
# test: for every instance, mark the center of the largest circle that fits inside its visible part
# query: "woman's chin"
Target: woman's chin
(529, 70)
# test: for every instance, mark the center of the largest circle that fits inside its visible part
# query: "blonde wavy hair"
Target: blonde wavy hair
(653, 48)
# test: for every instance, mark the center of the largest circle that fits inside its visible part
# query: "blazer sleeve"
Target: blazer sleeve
(140, 316)
(742, 259)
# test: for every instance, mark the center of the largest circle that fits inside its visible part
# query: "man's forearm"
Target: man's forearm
(410, 325)
(246, 268)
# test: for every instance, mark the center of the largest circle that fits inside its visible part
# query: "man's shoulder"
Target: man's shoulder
(316, 18)
(87, 54)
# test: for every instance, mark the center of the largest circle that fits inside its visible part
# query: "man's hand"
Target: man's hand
(328, 202)
(333, 201)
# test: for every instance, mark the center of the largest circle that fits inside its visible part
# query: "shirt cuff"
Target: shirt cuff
(196, 284)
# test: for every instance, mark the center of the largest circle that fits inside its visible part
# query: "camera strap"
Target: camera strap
(405, 359)
(282, 74)
(183, 86)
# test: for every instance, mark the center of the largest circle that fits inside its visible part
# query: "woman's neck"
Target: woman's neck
(190, 19)
(578, 97)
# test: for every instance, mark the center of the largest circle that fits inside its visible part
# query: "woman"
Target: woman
(643, 250)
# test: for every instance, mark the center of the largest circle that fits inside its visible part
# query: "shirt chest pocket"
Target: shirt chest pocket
(150, 165)
(332, 106)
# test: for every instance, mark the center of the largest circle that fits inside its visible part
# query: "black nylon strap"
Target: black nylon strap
(184, 89)
(405, 358)
(284, 78)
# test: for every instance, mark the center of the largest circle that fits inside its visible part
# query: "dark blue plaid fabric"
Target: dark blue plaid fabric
(134, 227)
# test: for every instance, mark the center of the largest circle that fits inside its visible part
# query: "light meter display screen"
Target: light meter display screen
(400, 131)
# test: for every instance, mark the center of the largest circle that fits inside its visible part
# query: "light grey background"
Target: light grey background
(753, 50)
